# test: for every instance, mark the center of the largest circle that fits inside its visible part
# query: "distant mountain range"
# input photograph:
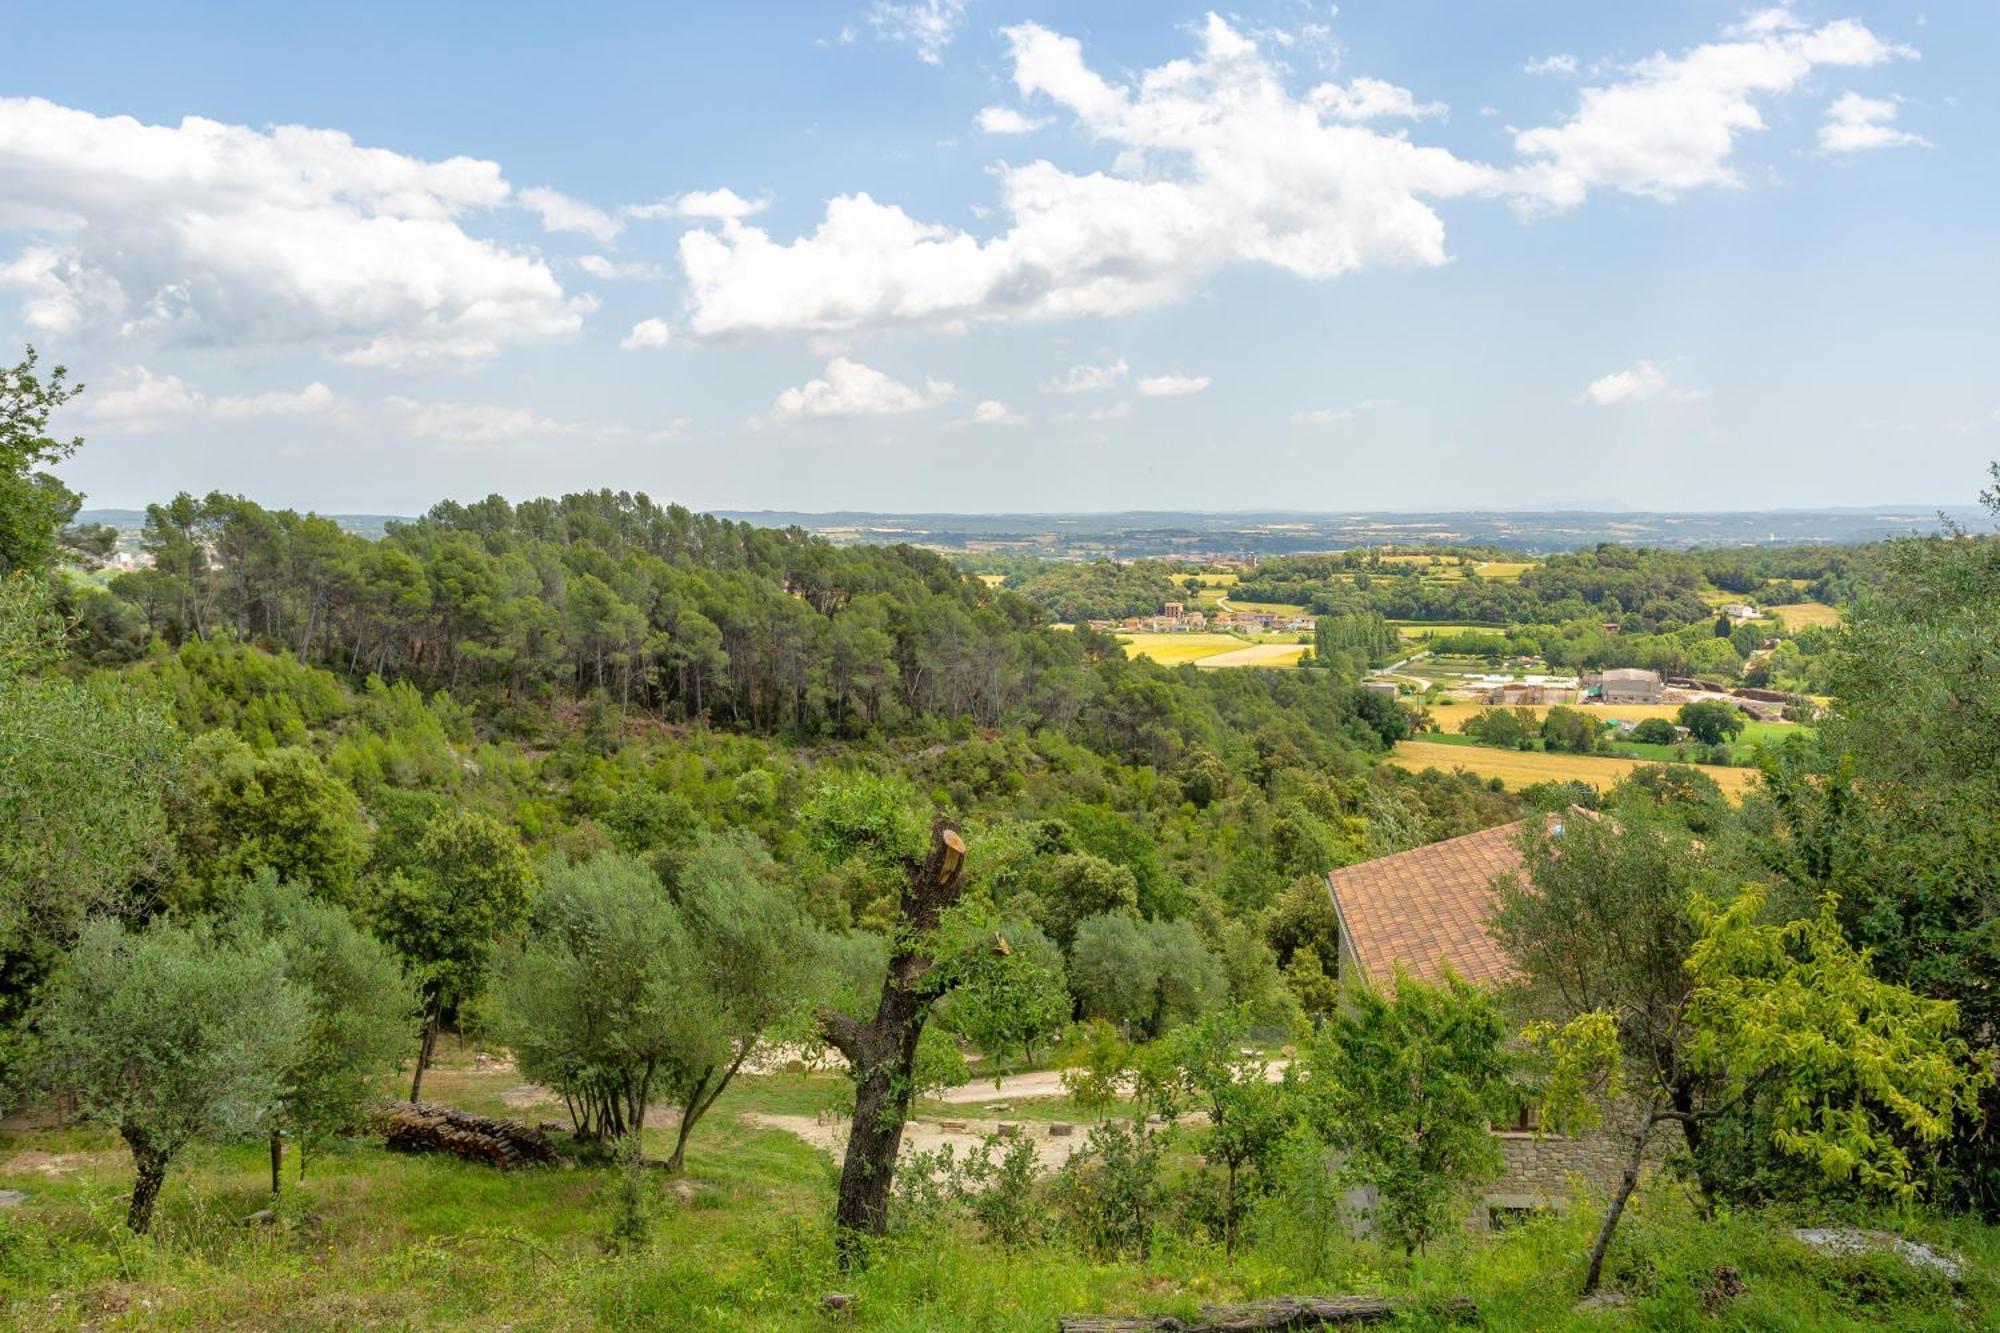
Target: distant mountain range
(1276, 532)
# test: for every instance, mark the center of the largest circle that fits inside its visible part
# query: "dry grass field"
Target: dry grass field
(1504, 570)
(1808, 615)
(1260, 654)
(1263, 608)
(1452, 719)
(1522, 768)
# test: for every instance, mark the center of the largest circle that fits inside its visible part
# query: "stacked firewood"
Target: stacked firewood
(424, 1127)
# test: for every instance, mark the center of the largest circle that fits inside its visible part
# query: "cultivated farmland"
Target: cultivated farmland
(1452, 719)
(1522, 768)
(1807, 615)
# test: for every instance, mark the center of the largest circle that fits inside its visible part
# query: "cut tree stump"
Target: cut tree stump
(424, 1127)
(1282, 1312)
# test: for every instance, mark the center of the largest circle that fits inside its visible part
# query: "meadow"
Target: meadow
(1807, 615)
(1523, 768)
(1212, 650)
(743, 1241)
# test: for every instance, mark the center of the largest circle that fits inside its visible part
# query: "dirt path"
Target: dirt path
(829, 1135)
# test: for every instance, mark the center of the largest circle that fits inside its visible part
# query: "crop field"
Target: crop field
(1452, 719)
(1504, 570)
(1260, 654)
(1522, 768)
(1264, 608)
(1417, 629)
(1174, 649)
(1808, 615)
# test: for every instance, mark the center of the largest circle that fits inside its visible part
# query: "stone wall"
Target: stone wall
(1547, 1170)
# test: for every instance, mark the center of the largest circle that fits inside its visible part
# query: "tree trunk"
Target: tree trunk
(151, 1162)
(883, 1052)
(424, 1050)
(278, 1159)
(1595, 1274)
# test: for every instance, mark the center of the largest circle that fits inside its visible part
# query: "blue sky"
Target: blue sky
(851, 255)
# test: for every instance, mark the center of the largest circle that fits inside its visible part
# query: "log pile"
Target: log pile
(1266, 1316)
(423, 1127)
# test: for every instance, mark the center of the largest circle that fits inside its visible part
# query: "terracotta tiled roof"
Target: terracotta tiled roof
(1430, 906)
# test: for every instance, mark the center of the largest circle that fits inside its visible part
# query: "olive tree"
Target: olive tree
(170, 1035)
(359, 999)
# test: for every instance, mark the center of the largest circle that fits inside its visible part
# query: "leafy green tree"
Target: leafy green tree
(591, 999)
(241, 811)
(1655, 731)
(34, 504)
(1246, 1113)
(1076, 885)
(1711, 721)
(169, 1036)
(1860, 1074)
(1568, 730)
(85, 768)
(358, 998)
(1151, 975)
(1509, 729)
(1095, 1066)
(1406, 1087)
(468, 890)
(1010, 998)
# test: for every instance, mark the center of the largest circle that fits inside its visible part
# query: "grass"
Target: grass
(1505, 571)
(1264, 608)
(743, 1242)
(1523, 768)
(1808, 615)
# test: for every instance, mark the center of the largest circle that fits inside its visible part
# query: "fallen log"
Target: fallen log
(1265, 1316)
(423, 1127)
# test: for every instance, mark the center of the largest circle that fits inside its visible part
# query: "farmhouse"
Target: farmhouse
(1515, 692)
(1385, 688)
(1628, 685)
(1420, 912)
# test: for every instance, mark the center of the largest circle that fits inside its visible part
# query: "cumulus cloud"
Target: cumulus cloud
(137, 402)
(1172, 386)
(1089, 379)
(1371, 99)
(1216, 163)
(1564, 65)
(850, 389)
(995, 413)
(647, 333)
(598, 266)
(1671, 124)
(1855, 123)
(559, 212)
(214, 234)
(461, 425)
(927, 25)
(713, 205)
(1007, 120)
(1646, 381)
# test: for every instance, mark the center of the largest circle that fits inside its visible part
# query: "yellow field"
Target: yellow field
(1259, 654)
(1521, 768)
(1210, 650)
(992, 580)
(1416, 629)
(1174, 649)
(1454, 718)
(1807, 615)
(1504, 569)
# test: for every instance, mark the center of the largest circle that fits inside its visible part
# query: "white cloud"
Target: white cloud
(850, 389)
(995, 413)
(1854, 123)
(1672, 123)
(715, 205)
(647, 333)
(1371, 99)
(1006, 120)
(1327, 416)
(611, 270)
(1564, 65)
(487, 425)
(559, 212)
(1089, 379)
(1646, 381)
(928, 25)
(214, 234)
(1216, 163)
(1173, 386)
(139, 401)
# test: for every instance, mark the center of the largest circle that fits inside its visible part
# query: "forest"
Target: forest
(694, 829)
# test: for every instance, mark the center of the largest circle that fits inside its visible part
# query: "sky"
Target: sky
(996, 255)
